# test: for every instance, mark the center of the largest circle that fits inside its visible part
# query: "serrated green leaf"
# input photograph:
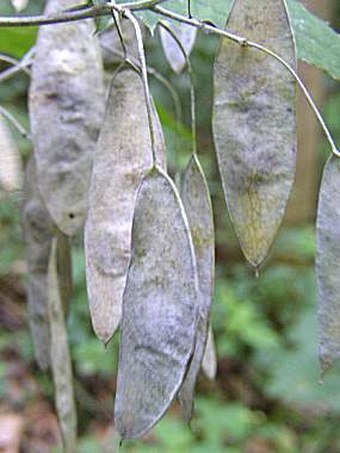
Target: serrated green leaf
(317, 43)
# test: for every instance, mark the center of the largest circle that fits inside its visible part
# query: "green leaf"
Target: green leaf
(317, 43)
(17, 41)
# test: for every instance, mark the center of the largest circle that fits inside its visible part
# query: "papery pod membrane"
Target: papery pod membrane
(187, 35)
(60, 356)
(10, 160)
(66, 103)
(209, 362)
(159, 308)
(19, 5)
(64, 262)
(111, 46)
(328, 264)
(254, 124)
(38, 233)
(123, 156)
(197, 204)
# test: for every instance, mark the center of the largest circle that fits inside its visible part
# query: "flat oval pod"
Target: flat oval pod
(159, 308)
(187, 35)
(197, 204)
(10, 160)
(254, 124)
(122, 158)
(38, 232)
(66, 103)
(209, 362)
(60, 356)
(328, 264)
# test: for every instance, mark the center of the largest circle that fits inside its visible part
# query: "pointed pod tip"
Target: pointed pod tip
(103, 337)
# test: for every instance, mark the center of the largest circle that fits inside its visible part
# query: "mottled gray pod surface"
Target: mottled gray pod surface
(38, 233)
(328, 264)
(209, 362)
(254, 124)
(10, 160)
(159, 308)
(123, 156)
(197, 204)
(60, 357)
(187, 35)
(111, 46)
(66, 104)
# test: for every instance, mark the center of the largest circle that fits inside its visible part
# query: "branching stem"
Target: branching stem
(86, 12)
(18, 66)
(8, 115)
(192, 88)
(144, 71)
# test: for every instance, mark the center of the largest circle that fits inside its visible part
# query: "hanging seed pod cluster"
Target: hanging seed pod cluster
(99, 167)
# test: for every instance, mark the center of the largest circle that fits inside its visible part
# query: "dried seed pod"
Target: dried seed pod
(187, 35)
(159, 308)
(328, 264)
(122, 158)
(254, 123)
(64, 261)
(10, 161)
(19, 5)
(209, 362)
(111, 46)
(38, 232)
(197, 204)
(66, 103)
(60, 356)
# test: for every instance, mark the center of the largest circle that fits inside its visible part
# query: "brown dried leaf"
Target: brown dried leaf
(38, 232)
(197, 204)
(10, 160)
(328, 264)
(159, 308)
(254, 123)
(187, 35)
(122, 158)
(60, 356)
(66, 104)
